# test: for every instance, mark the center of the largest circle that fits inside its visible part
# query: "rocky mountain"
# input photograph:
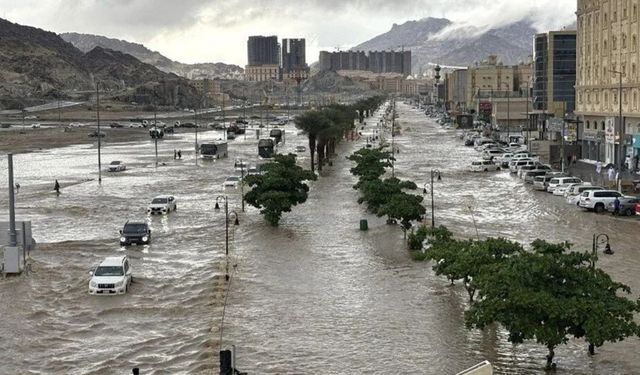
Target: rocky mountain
(38, 63)
(438, 40)
(87, 42)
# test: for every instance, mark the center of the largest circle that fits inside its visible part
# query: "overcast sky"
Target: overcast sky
(216, 30)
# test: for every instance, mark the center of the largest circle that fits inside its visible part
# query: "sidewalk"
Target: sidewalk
(587, 172)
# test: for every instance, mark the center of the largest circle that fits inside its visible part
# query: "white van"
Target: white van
(483, 166)
(558, 181)
(517, 163)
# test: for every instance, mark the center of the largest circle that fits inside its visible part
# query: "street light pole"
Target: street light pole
(99, 135)
(594, 254)
(226, 227)
(620, 122)
(156, 132)
(433, 174)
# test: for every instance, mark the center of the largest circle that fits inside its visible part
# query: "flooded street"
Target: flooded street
(313, 296)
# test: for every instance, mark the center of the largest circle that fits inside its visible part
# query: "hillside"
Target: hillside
(87, 42)
(437, 40)
(38, 63)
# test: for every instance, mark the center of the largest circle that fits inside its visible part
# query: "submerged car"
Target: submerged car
(112, 276)
(162, 204)
(232, 181)
(135, 233)
(117, 166)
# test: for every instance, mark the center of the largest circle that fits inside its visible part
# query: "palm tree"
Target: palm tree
(312, 123)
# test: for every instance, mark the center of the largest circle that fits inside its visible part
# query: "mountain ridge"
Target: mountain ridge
(445, 42)
(86, 42)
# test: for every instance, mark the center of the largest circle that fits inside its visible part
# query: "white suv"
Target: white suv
(483, 166)
(557, 181)
(162, 204)
(112, 276)
(597, 200)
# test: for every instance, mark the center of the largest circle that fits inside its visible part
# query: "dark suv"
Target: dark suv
(135, 233)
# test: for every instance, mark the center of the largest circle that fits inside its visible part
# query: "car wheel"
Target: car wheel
(628, 212)
(497, 169)
(486, 170)
(599, 208)
(175, 208)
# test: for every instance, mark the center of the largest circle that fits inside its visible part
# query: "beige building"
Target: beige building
(261, 73)
(607, 50)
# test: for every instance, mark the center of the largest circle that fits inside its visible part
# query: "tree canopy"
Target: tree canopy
(281, 187)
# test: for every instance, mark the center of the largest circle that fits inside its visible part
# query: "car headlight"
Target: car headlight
(123, 239)
(145, 239)
(119, 283)
(93, 284)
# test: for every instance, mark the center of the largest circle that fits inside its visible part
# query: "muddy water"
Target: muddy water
(315, 295)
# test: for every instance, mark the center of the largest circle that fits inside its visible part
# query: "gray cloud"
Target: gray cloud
(173, 27)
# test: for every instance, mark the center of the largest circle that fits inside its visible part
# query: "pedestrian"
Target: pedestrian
(627, 162)
(175, 154)
(574, 159)
(616, 207)
(56, 187)
(598, 167)
(179, 154)
(611, 173)
(17, 188)
(636, 161)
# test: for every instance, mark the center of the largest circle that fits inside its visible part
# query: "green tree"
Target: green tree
(370, 165)
(281, 187)
(404, 208)
(376, 193)
(550, 294)
(312, 123)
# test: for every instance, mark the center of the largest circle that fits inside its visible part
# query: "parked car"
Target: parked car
(116, 125)
(301, 149)
(515, 164)
(483, 166)
(577, 189)
(112, 276)
(162, 204)
(637, 208)
(627, 206)
(530, 175)
(541, 182)
(597, 200)
(527, 168)
(492, 154)
(135, 233)
(232, 181)
(117, 166)
(35, 126)
(556, 181)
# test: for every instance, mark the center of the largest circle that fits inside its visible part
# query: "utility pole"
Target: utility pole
(528, 122)
(508, 115)
(156, 131)
(195, 121)
(224, 121)
(13, 242)
(99, 134)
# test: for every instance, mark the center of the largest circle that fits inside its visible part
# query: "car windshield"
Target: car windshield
(233, 178)
(135, 228)
(115, 162)
(109, 271)
(159, 201)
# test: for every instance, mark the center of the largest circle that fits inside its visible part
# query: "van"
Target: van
(557, 181)
(516, 164)
(529, 176)
(483, 166)
(540, 182)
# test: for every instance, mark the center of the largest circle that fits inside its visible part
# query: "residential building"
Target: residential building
(456, 82)
(373, 61)
(263, 54)
(294, 65)
(554, 75)
(608, 55)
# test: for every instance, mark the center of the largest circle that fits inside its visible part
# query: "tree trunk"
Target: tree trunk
(592, 349)
(550, 364)
(312, 150)
(320, 156)
(471, 291)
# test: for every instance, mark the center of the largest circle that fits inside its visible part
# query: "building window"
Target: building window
(634, 41)
(624, 41)
(615, 16)
(635, 12)
(635, 100)
(602, 126)
(588, 125)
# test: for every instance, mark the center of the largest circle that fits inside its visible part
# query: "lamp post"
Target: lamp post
(242, 182)
(99, 135)
(226, 227)
(598, 240)
(434, 174)
(620, 121)
(155, 125)
(195, 122)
